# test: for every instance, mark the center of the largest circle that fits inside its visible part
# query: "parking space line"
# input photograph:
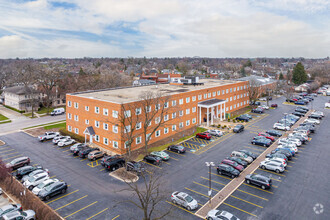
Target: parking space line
(221, 176)
(102, 169)
(240, 209)
(213, 181)
(84, 159)
(272, 178)
(197, 192)
(252, 194)
(71, 203)
(174, 158)
(246, 201)
(259, 188)
(80, 209)
(52, 176)
(6, 151)
(151, 164)
(10, 154)
(272, 172)
(66, 150)
(12, 157)
(115, 217)
(253, 148)
(62, 196)
(205, 186)
(215, 143)
(166, 162)
(99, 213)
(288, 166)
(180, 207)
(291, 162)
(176, 153)
(148, 171)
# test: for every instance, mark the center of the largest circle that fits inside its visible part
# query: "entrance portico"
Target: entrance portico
(211, 105)
(89, 131)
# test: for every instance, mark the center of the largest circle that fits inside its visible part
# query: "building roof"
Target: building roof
(260, 79)
(19, 90)
(211, 102)
(131, 94)
(89, 130)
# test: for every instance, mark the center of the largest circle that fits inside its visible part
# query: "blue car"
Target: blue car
(262, 141)
(300, 103)
(287, 149)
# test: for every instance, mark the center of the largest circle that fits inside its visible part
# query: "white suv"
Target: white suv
(36, 180)
(272, 165)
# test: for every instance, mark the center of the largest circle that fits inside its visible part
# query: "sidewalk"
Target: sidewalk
(12, 115)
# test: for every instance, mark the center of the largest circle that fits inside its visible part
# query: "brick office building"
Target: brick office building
(97, 113)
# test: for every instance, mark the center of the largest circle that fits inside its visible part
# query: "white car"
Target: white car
(264, 107)
(272, 165)
(286, 142)
(319, 113)
(216, 133)
(263, 99)
(66, 142)
(293, 148)
(278, 160)
(35, 180)
(281, 127)
(185, 200)
(312, 120)
(43, 185)
(220, 215)
(33, 173)
(22, 215)
(60, 138)
(303, 135)
(296, 141)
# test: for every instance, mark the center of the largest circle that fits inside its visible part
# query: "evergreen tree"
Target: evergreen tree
(299, 75)
(281, 77)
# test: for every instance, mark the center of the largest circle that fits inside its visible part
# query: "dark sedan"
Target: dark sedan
(238, 128)
(259, 180)
(227, 170)
(258, 110)
(177, 148)
(274, 133)
(316, 116)
(283, 151)
(25, 170)
(299, 103)
(249, 153)
(238, 160)
(242, 118)
(85, 151)
(261, 141)
(299, 114)
(136, 167)
(153, 159)
(53, 190)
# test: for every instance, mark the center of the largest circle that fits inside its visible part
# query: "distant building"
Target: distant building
(263, 83)
(143, 82)
(19, 97)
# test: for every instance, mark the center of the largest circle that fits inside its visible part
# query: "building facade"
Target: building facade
(19, 97)
(177, 107)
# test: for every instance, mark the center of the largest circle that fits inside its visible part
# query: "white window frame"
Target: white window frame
(166, 105)
(97, 110)
(114, 113)
(115, 128)
(69, 103)
(69, 116)
(194, 109)
(166, 130)
(180, 101)
(127, 128)
(138, 140)
(157, 120)
(105, 126)
(148, 109)
(173, 115)
(105, 141)
(223, 92)
(209, 95)
(97, 124)
(231, 107)
(166, 117)
(234, 89)
(69, 128)
(86, 121)
(181, 125)
(213, 94)
(226, 91)
(205, 96)
(173, 127)
(181, 113)
(187, 122)
(127, 113)
(200, 97)
(115, 144)
(76, 130)
(157, 107)
(187, 99)
(219, 93)
(231, 98)
(157, 133)
(173, 102)
(138, 111)
(76, 105)
(76, 117)
(138, 125)
(193, 98)
(105, 112)
(87, 108)
(194, 120)
(97, 138)
(187, 111)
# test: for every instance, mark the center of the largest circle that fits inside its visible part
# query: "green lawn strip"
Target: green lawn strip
(42, 125)
(2, 117)
(4, 122)
(14, 109)
(59, 125)
(43, 110)
(164, 147)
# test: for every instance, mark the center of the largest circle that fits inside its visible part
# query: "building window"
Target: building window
(69, 104)
(199, 97)
(187, 122)
(127, 129)
(193, 98)
(105, 126)
(241, 103)
(226, 91)
(237, 105)
(241, 87)
(227, 99)
(205, 96)
(218, 92)
(165, 117)
(235, 97)
(157, 120)
(97, 124)
(69, 128)
(173, 102)
(213, 94)
(138, 125)
(148, 109)
(173, 115)
(148, 136)
(181, 125)
(244, 95)
(223, 92)
(86, 108)
(231, 107)
(234, 89)
(241, 95)
(157, 107)
(165, 130)
(105, 112)
(209, 95)
(181, 113)
(226, 108)
(69, 115)
(158, 133)
(194, 109)
(173, 127)
(231, 98)
(194, 120)
(166, 105)
(234, 105)
(97, 138)
(244, 87)
(76, 105)
(237, 88)
(187, 111)
(97, 110)
(187, 99)
(105, 141)
(231, 89)
(76, 117)
(87, 122)
(180, 101)
(76, 130)
(138, 140)
(138, 111)
(114, 114)
(127, 113)
(244, 102)
(115, 128)
(115, 144)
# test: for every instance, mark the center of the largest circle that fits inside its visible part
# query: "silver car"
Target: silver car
(184, 200)
(220, 215)
(35, 180)
(25, 215)
(216, 133)
(59, 138)
(33, 173)
(10, 208)
(272, 165)
(66, 142)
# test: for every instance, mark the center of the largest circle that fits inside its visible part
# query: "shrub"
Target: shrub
(219, 125)
(228, 119)
(234, 120)
(77, 137)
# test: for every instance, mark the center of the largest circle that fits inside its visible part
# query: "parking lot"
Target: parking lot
(93, 194)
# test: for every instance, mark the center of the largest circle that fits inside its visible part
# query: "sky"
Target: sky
(164, 28)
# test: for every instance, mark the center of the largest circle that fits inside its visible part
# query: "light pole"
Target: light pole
(210, 165)
(285, 121)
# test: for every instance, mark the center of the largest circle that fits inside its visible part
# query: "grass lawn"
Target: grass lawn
(43, 110)
(59, 125)
(2, 117)
(43, 125)
(163, 147)
(4, 122)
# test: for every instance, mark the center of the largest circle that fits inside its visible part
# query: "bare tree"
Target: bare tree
(254, 90)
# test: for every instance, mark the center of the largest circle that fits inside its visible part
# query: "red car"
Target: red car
(274, 105)
(234, 164)
(204, 135)
(266, 136)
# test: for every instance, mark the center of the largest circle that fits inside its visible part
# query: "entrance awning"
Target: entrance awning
(89, 130)
(211, 103)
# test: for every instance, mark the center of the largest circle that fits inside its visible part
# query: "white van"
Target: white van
(57, 111)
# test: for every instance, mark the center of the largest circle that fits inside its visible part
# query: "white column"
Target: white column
(85, 138)
(217, 111)
(212, 115)
(224, 110)
(207, 117)
(200, 114)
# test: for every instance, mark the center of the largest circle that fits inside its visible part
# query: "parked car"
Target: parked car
(274, 133)
(217, 215)
(114, 163)
(161, 154)
(109, 158)
(278, 160)
(264, 107)
(227, 170)
(290, 148)
(303, 107)
(215, 133)
(10, 208)
(299, 114)
(315, 116)
(259, 180)
(249, 153)
(33, 173)
(271, 165)
(301, 110)
(57, 111)
(247, 116)
(285, 141)
(267, 136)
(153, 159)
(33, 181)
(96, 154)
(274, 105)
(43, 185)
(48, 136)
(85, 151)
(76, 146)
(18, 162)
(25, 170)
(242, 118)
(238, 160)
(235, 165)
(204, 135)
(238, 128)
(300, 102)
(257, 110)
(136, 167)
(177, 148)
(66, 142)
(242, 156)
(281, 127)
(319, 113)
(59, 138)
(53, 190)
(261, 141)
(21, 215)
(277, 155)
(287, 153)
(312, 120)
(184, 200)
